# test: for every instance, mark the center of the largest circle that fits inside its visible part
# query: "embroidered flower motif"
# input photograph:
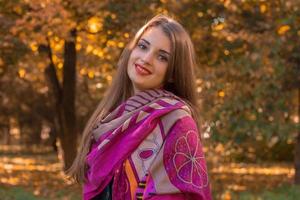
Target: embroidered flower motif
(189, 162)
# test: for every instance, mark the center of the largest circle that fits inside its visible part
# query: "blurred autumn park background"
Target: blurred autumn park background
(58, 57)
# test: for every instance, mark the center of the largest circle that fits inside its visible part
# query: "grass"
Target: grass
(19, 193)
(285, 192)
(36, 174)
(16, 193)
(33, 174)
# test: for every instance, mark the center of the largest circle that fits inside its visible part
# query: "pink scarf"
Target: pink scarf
(150, 146)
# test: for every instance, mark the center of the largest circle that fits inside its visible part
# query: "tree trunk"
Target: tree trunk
(64, 96)
(297, 149)
(6, 135)
(6, 131)
(69, 137)
(53, 138)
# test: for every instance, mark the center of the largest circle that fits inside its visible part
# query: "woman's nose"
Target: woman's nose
(148, 58)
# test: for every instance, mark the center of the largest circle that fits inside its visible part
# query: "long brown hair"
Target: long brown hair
(180, 79)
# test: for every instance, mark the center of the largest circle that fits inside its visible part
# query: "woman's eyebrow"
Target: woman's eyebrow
(164, 51)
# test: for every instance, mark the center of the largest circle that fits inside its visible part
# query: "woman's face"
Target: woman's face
(148, 62)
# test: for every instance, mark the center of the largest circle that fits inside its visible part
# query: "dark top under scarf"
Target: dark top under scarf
(106, 194)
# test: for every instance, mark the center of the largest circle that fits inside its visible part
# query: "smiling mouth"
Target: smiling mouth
(141, 70)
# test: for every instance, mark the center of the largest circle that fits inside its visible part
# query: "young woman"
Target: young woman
(142, 142)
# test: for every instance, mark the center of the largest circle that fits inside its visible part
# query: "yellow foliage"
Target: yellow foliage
(226, 52)
(21, 73)
(49, 33)
(126, 35)
(219, 148)
(78, 47)
(113, 16)
(121, 44)
(58, 45)
(83, 71)
(91, 37)
(95, 52)
(56, 39)
(91, 74)
(33, 46)
(55, 59)
(221, 93)
(18, 9)
(283, 29)
(78, 39)
(100, 54)
(60, 65)
(263, 8)
(236, 168)
(215, 34)
(219, 27)
(89, 48)
(226, 196)
(111, 43)
(109, 78)
(95, 24)
(200, 14)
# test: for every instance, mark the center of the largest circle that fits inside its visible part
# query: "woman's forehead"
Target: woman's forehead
(155, 37)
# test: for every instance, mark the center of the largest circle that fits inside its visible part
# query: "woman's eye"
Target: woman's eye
(163, 58)
(142, 46)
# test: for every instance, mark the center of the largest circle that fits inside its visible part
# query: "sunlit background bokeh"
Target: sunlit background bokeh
(58, 58)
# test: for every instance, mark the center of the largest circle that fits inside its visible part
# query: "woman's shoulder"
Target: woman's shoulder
(177, 116)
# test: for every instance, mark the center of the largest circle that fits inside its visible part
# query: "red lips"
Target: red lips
(141, 70)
